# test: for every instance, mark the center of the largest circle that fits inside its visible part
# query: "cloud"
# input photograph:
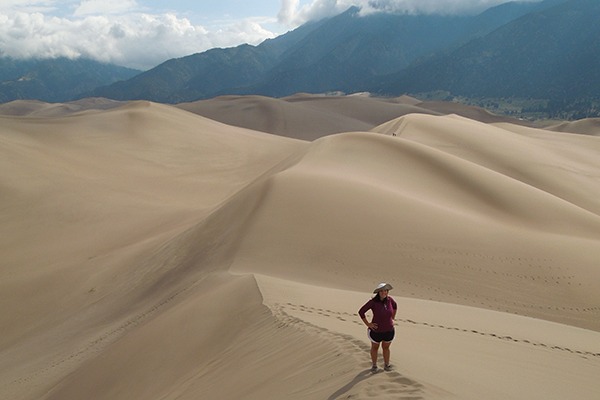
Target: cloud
(105, 7)
(135, 40)
(292, 15)
(287, 12)
(10, 6)
(243, 31)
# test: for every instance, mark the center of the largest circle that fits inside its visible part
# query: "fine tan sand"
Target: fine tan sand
(149, 252)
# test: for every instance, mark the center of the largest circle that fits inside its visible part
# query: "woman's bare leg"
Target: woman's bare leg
(386, 352)
(374, 350)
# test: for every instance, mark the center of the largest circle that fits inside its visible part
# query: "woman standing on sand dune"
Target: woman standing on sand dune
(381, 327)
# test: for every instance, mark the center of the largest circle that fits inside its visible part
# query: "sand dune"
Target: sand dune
(152, 253)
(309, 117)
(33, 108)
(369, 207)
(588, 126)
(303, 116)
(472, 112)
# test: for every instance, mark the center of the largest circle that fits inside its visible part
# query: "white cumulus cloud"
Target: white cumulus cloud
(114, 31)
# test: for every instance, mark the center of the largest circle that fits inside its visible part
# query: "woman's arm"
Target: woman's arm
(362, 312)
(369, 325)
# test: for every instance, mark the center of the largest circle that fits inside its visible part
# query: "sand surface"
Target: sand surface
(149, 252)
(309, 117)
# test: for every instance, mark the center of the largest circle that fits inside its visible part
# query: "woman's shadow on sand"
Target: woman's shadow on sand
(408, 384)
(358, 378)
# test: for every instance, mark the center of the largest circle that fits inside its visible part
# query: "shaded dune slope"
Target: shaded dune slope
(96, 196)
(187, 281)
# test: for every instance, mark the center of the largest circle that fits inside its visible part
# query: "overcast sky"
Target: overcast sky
(143, 33)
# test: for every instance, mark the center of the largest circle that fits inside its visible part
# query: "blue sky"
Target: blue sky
(143, 33)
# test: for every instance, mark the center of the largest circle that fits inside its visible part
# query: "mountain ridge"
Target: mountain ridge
(342, 53)
(55, 80)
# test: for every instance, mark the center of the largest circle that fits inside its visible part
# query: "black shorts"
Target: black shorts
(378, 337)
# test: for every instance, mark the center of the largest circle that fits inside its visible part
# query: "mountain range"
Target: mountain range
(551, 54)
(545, 50)
(345, 53)
(56, 80)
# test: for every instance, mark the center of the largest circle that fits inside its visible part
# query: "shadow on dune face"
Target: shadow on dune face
(358, 378)
(389, 382)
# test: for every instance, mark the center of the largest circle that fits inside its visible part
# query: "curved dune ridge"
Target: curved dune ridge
(588, 126)
(152, 253)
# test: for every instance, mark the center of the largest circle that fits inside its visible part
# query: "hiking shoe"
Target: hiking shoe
(374, 368)
(388, 367)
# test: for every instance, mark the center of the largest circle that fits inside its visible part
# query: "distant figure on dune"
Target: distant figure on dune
(381, 327)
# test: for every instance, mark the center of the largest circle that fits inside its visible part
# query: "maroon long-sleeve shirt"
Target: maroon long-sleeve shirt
(382, 313)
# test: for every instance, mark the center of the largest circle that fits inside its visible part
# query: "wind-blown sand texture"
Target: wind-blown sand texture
(152, 253)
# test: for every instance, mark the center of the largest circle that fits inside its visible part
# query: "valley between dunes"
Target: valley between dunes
(149, 252)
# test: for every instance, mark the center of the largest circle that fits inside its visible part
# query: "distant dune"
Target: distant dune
(588, 126)
(301, 116)
(34, 108)
(308, 117)
(149, 252)
(472, 112)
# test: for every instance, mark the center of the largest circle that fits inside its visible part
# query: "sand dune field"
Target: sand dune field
(222, 249)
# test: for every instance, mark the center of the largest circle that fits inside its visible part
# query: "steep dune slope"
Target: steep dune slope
(86, 202)
(217, 339)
